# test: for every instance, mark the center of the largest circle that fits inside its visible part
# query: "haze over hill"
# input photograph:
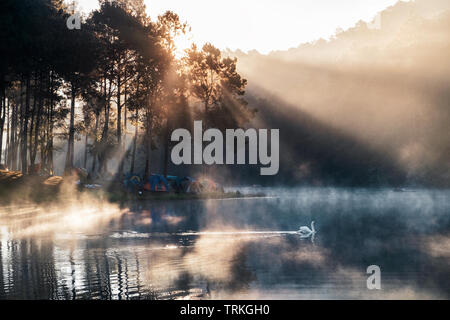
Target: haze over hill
(366, 92)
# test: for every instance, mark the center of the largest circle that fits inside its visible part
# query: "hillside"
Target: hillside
(386, 90)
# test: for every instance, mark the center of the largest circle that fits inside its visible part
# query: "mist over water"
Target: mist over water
(233, 248)
(367, 106)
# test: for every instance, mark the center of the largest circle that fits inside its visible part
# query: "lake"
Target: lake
(243, 248)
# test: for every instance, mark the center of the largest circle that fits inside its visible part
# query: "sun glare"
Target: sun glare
(263, 25)
(182, 43)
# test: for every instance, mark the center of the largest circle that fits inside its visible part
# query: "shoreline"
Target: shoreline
(39, 189)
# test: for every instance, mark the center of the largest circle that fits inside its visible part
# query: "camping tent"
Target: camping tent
(179, 184)
(132, 182)
(157, 183)
(202, 185)
(208, 185)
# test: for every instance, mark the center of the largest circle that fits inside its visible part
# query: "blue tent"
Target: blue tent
(157, 182)
(132, 182)
(179, 184)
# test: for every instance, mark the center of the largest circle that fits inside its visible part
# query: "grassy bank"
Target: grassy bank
(16, 187)
(123, 196)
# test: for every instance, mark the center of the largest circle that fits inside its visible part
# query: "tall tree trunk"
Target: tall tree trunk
(49, 148)
(37, 124)
(2, 120)
(125, 111)
(94, 161)
(21, 117)
(104, 138)
(148, 145)
(24, 134)
(31, 129)
(43, 154)
(166, 147)
(85, 151)
(119, 126)
(70, 146)
(119, 112)
(133, 154)
(122, 142)
(12, 153)
(8, 127)
(50, 133)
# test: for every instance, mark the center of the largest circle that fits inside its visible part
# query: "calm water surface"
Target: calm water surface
(236, 248)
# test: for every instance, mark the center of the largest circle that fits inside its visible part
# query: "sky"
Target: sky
(263, 25)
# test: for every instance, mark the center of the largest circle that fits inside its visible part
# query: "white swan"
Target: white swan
(306, 232)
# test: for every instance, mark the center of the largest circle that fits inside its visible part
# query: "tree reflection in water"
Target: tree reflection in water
(160, 250)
